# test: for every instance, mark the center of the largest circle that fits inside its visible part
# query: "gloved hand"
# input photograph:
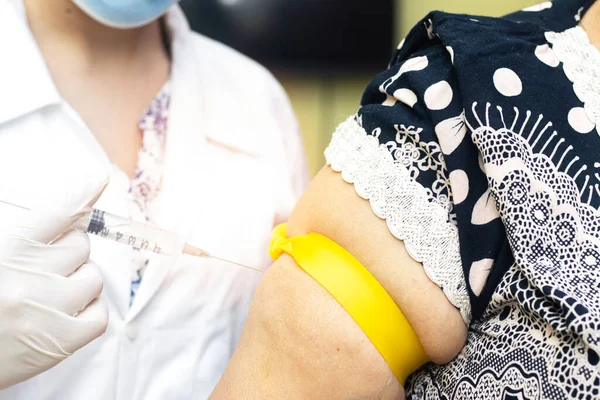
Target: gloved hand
(49, 291)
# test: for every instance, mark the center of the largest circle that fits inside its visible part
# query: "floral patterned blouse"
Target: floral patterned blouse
(147, 177)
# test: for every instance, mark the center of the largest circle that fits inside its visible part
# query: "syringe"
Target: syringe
(138, 235)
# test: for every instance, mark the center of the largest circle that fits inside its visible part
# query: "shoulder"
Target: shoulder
(246, 83)
(239, 83)
(478, 35)
(507, 62)
(253, 98)
(470, 36)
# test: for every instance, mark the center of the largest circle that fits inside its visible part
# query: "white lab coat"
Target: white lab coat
(234, 168)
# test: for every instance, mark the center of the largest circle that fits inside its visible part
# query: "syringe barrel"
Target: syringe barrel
(134, 234)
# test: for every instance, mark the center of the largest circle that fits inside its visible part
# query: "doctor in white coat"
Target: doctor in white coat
(196, 139)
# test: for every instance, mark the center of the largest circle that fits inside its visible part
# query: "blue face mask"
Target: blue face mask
(125, 14)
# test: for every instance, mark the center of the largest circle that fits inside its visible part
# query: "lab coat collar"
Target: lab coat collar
(25, 81)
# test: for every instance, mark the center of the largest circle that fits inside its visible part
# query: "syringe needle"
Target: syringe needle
(233, 262)
(14, 205)
(197, 252)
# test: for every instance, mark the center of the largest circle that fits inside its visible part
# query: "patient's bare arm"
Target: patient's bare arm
(298, 342)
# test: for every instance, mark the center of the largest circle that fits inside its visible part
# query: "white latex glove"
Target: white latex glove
(49, 291)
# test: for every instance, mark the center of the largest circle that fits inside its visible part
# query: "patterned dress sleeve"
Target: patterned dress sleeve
(527, 213)
(391, 151)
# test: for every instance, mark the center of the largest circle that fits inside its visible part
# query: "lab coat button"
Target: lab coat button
(131, 332)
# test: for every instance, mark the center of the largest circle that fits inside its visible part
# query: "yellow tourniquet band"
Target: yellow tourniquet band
(353, 286)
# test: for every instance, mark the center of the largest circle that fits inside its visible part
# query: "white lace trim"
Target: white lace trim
(411, 213)
(581, 63)
(418, 156)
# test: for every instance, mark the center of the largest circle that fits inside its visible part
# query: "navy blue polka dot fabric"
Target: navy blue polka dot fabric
(490, 128)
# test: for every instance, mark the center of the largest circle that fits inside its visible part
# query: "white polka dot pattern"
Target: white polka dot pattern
(438, 96)
(579, 120)
(460, 185)
(545, 54)
(480, 270)
(507, 82)
(539, 7)
(406, 96)
(451, 132)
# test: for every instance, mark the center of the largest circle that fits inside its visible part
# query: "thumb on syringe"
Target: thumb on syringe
(51, 217)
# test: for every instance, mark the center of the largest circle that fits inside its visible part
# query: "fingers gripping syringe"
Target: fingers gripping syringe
(140, 236)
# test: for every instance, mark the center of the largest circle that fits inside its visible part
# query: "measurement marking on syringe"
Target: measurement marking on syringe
(131, 240)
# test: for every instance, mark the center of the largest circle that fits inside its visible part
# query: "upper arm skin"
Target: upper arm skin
(298, 342)
(332, 208)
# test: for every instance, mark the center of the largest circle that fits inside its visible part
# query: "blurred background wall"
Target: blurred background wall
(322, 101)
